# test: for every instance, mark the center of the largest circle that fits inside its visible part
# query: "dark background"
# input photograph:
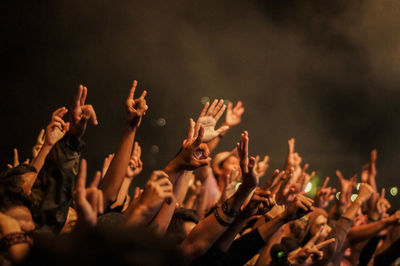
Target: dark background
(324, 72)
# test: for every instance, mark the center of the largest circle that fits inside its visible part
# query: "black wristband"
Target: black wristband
(228, 210)
(219, 219)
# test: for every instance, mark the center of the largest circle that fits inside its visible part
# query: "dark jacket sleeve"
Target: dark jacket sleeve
(339, 232)
(53, 189)
(245, 247)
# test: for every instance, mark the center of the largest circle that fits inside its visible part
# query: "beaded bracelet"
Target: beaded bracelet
(13, 239)
(219, 219)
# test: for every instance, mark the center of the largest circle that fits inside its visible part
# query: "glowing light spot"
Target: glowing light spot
(238, 185)
(161, 122)
(308, 187)
(154, 149)
(204, 100)
(394, 191)
(338, 195)
(358, 186)
(353, 197)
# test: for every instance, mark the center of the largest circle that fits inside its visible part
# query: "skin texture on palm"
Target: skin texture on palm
(324, 195)
(208, 119)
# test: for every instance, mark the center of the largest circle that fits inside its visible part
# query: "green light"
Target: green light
(394, 191)
(280, 254)
(353, 197)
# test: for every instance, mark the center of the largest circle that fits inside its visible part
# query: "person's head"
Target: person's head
(224, 162)
(182, 222)
(15, 204)
(317, 218)
(18, 176)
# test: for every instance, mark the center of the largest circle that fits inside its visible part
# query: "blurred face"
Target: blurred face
(23, 216)
(231, 163)
(318, 223)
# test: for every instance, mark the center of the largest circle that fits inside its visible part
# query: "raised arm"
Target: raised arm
(135, 110)
(208, 230)
(233, 117)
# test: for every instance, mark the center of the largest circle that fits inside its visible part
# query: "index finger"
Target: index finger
(84, 94)
(191, 129)
(78, 96)
(16, 158)
(291, 145)
(203, 112)
(383, 193)
(325, 243)
(132, 90)
(96, 180)
(40, 136)
(325, 182)
(81, 182)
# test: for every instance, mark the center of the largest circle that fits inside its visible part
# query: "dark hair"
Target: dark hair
(176, 231)
(12, 197)
(12, 177)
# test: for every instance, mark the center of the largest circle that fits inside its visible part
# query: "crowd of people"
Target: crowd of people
(203, 208)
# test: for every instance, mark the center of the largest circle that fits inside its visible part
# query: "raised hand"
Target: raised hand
(298, 208)
(39, 143)
(311, 249)
(261, 166)
(261, 202)
(81, 113)
(135, 164)
(157, 190)
(194, 153)
(57, 128)
(208, 119)
(135, 108)
(293, 159)
(249, 175)
(16, 160)
(346, 186)
(88, 201)
(394, 219)
(234, 115)
(365, 192)
(382, 205)
(324, 195)
(231, 181)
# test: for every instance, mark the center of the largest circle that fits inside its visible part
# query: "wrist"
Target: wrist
(359, 201)
(129, 128)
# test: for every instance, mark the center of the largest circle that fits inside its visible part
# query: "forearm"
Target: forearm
(138, 215)
(180, 190)
(366, 231)
(351, 212)
(204, 235)
(123, 192)
(115, 175)
(161, 222)
(164, 215)
(214, 143)
(39, 160)
(174, 170)
(269, 228)
(225, 241)
(190, 201)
